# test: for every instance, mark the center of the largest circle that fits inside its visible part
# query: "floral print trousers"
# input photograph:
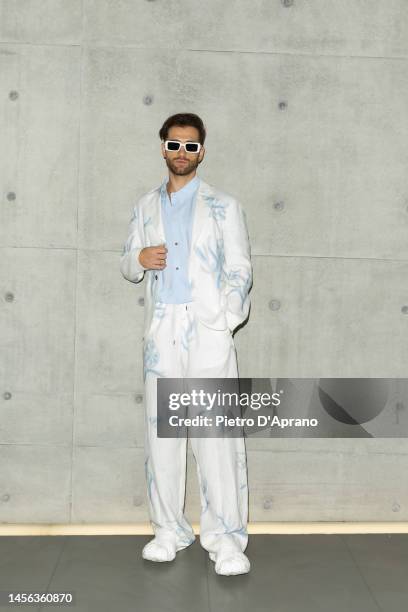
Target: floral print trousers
(179, 345)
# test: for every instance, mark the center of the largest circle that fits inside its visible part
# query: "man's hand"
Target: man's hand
(153, 258)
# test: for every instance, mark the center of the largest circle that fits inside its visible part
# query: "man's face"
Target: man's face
(181, 162)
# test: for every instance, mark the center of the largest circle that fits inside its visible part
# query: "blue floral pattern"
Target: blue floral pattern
(151, 358)
(228, 529)
(153, 422)
(159, 310)
(150, 481)
(239, 282)
(212, 257)
(216, 207)
(240, 460)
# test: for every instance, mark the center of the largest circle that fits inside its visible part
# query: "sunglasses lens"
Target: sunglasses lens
(192, 147)
(172, 145)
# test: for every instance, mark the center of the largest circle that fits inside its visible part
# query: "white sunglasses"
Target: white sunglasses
(189, 147)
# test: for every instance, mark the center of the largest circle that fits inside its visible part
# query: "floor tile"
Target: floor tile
(109, 573)
(293, 573)
(383, 562)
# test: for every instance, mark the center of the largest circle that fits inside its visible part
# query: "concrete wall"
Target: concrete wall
(306, 108)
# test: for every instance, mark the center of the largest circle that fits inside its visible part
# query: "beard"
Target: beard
(183, 169)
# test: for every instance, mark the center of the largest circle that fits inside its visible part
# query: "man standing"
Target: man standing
(191, 242)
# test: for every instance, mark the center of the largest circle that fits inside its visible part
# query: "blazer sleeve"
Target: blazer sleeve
(130, 266)
(237, 264)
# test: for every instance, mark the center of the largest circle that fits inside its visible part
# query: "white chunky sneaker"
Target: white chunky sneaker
(230, 563)
(159, 550)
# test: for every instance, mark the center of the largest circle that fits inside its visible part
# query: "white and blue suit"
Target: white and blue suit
(191, 309)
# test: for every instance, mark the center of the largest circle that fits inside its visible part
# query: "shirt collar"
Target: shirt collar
(185, 191)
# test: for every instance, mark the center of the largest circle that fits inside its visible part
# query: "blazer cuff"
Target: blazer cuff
(136, 263)
(131, 267)
(232, 320)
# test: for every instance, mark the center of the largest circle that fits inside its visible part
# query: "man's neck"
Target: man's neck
(175, 182)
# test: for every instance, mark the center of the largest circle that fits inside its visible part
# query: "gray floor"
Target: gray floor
(289, 573)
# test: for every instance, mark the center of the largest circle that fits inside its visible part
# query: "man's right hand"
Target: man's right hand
(153, 258)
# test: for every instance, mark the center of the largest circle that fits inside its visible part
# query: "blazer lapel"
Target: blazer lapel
(201, 212)
(200, 220)
(155, 220)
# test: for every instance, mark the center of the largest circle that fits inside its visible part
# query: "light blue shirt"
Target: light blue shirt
(177, 215)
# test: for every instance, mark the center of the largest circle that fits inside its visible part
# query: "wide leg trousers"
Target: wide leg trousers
(179, 345)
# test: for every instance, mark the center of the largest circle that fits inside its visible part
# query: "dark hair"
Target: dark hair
(183, 119)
